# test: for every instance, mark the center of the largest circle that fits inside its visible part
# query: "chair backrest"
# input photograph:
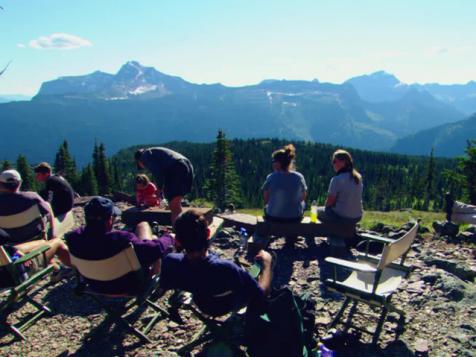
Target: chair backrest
(397, 249)
(23, 226)
(108, 269)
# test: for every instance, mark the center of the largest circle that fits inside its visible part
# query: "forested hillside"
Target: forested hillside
(391, 181)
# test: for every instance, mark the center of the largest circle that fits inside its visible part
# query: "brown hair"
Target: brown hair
(191, 231)
(43, 168)
(345, 157)
(285, 157)
(142, 179)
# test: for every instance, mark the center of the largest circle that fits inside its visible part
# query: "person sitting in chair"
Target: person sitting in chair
(98, 240)
(30, 235)
(218, 286)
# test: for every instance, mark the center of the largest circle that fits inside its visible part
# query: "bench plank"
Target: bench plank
(239, 220)
(134, 215)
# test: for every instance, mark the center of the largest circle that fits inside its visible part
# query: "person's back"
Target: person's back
(286, 190)
(348, 195)
(60, 194)
(14, 203)
(218, 286)
(98, 241)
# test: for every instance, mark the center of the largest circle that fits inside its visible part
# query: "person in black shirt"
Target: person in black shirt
(58, 192)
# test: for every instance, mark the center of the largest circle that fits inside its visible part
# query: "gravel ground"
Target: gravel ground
(440, 307)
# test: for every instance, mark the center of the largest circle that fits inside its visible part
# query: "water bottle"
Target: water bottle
(314, 212)
(243, 239)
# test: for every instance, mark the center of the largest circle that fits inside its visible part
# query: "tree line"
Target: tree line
(234, 171)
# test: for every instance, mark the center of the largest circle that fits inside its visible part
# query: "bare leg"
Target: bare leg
(56, 247)
(175, 207)
(144, 231)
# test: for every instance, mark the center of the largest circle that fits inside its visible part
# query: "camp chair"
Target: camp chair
(122, 265)
(374, 278)
(17, 287)
(22, 227)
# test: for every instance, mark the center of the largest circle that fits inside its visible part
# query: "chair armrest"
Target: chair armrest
(351, 265)
(31, 255)
(375, 238)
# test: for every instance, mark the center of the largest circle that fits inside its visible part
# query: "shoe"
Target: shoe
(62, 273)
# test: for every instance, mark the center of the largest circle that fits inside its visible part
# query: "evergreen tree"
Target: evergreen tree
(6, 165)
(468, 167)
(102, 169)
(88, 183)
(429, 180)
(223, 184)
(65, 165)
(27, 175)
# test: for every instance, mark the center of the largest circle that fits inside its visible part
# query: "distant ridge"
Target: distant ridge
(140, 104)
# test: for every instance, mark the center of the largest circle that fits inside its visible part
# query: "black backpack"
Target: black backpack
(279, 332)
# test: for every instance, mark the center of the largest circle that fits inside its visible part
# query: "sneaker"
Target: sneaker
(62, 273)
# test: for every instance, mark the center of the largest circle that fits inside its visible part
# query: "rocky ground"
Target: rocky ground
(439, 298)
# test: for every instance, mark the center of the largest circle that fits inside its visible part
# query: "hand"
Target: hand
(264, 257)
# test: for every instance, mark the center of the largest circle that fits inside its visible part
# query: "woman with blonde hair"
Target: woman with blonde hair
(344, 199)
(285, 189)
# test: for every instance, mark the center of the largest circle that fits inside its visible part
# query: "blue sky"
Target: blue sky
(238, 42)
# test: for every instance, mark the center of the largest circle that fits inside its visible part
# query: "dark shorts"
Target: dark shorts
(327, 215)
(178, 180)
(282, 220)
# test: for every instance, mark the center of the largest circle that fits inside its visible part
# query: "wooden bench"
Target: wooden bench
(239, 220)
(265, 229)
(134, 215)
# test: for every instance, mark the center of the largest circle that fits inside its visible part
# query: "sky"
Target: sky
(238, 42)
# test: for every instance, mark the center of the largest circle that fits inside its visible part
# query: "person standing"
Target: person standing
(58, 192)
(172, 171)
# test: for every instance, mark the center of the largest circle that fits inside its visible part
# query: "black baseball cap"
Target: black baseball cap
(100, 208)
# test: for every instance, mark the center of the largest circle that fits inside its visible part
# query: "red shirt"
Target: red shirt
(147, 196)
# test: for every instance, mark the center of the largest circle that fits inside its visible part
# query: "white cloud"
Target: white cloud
(60, 41)
(20, 45)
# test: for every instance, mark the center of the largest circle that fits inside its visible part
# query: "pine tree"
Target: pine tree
(27, 175)
(102, 169)
(223, 184)
(6, 165)
(88, 183)
(65, 165)
(429, 181)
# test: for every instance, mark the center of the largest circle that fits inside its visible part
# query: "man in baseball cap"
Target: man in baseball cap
(30, 235)
(98, 240)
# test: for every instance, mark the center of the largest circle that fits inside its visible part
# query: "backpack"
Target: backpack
(279, 332)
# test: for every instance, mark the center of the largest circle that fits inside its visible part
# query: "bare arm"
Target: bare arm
(266, 276)
(266, 196)
(331, 200)
(304, 196)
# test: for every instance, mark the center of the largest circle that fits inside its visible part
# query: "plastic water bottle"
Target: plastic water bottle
(243, 239)
(314, 212)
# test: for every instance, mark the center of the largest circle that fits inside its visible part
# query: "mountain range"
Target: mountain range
(140, 104)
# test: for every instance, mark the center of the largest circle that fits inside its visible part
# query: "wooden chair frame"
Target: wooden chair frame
(383, 271)
(21, 291)
(143, 299)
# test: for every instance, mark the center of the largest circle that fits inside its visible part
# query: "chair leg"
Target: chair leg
(200, 337)
(38, 305)
(348, 321)
(380, 325)
(16, 332)
(341, 312)
(118, 317)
